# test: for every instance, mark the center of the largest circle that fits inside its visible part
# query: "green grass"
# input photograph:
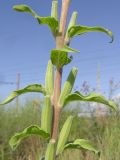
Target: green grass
(104, 132)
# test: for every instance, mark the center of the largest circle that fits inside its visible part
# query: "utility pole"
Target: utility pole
(17, 88)
(98, 109)
(98, 80)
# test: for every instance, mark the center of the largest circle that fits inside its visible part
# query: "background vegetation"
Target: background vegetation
(103, 131)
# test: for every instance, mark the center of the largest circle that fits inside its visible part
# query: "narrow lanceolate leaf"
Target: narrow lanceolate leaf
(64, 134)
(50, 21)
(50, 152)
(78, 30)
(49, 78)
(60, 57)
(29, 88)
(81, 144)
(31, 130)
(67, 88)
(93, 97)
(46, 115)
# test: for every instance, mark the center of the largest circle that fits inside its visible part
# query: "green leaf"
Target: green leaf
(50, 21)
(68, 49)
(31, 130)
(29, 88)
(24, 8)
(81, 144)
(59, 57)
(78, 30)
(93, 97)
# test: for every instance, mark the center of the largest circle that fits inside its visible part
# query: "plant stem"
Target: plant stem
(63, 18)
(57, 84)
(64, 12)
(57, 87)
(57, 112)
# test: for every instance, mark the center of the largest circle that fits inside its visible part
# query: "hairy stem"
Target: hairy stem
(57, 84)
(57, 112)
(57, 87)
(63, 18)
(64, 12)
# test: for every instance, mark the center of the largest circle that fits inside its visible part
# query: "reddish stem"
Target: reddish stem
(57, 84)
(57, 112)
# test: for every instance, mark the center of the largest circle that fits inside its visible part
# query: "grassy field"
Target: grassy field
(104, 132)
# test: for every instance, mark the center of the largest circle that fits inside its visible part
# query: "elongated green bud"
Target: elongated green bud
(50, 152)
(46, 115)
(64, 134)
(71, 23)
(73, 19)
(54, 9)
(68, 85)
(49, 78)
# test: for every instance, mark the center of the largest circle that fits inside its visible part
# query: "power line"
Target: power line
(11, 83)
(83, 59)
(38, 71)
(30, 76)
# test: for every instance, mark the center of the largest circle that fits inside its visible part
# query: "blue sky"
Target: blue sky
(25, 45)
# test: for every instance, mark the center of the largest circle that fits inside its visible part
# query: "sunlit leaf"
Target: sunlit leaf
(81, 144)
(31, 130)
(29, 88)
(24, 8)
(93, 97)
(68, 49)
(50, 21)
(59, 57)
(78, 30)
